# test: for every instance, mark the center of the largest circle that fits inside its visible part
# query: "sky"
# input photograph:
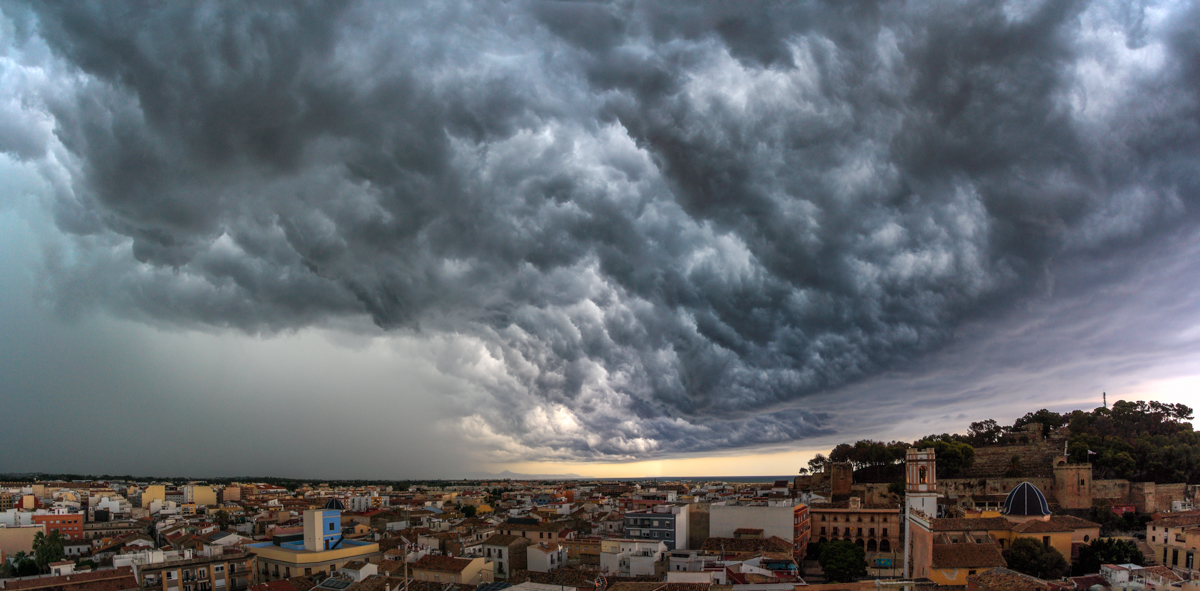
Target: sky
(437, 240)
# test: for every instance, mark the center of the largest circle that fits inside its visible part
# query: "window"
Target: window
(921, 475)
(220, 568)
(330, 527)
(1046, 541)
(885, 532)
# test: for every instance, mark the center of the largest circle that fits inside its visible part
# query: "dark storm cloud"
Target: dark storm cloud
(667, 225)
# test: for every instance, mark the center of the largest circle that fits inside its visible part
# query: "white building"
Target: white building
(630, 557)
(775, 518)
(544, 557)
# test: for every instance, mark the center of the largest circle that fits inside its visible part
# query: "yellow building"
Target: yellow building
(152, 493)
(200, 494)
(1174, 540)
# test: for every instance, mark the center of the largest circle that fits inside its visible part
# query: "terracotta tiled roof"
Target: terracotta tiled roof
(506, 540)
(967, 556)
(1180, 521)
(443, 564)
(1073, 522)
(772, 544)
(1037, 526)
(280, 585)
(1160, 572)
(1088, 581)
(1002, 579)
(303, 583)
(115, 579)
(978, 524)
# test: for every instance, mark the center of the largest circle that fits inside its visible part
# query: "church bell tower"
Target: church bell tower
(920, 498)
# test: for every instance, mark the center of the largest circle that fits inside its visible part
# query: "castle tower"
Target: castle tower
(1072, 484)
(920, 498)
(841, 479)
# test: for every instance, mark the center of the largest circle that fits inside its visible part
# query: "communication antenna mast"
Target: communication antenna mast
(1106, 400)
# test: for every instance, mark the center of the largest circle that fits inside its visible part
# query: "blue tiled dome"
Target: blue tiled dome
(1026, 499)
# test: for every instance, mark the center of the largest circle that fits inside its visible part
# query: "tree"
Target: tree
(223, 519)
(983, 433)
(1049, 420)
(1029, 556)
(1014, 469)
(842, 561)
(47, 549)
(817, 464)
(952, 456)
(23, 565)
(469, 510)
(1106, 551)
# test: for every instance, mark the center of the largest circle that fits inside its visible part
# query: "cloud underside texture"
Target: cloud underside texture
(652, 229)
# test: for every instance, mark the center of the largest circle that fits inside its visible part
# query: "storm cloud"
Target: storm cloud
(661, 227)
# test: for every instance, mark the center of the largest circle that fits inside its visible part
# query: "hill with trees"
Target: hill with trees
(1140, 441)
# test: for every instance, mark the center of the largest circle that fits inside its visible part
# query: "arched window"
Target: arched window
(1086, 537)
(921, 475)
(870, 545)
(885, 546)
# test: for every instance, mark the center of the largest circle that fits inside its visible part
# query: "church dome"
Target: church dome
(1026, 500)
(337, 504)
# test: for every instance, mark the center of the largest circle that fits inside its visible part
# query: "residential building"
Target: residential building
(98, 580)
(199, 494)
(782, 518)
(69, 525)
(627, 557)
(320, 549)
(506, 553)
(544, 557)
(444, 569)
(1175, 540)
(214, 570)
(665, 523)
(154, 492)
(537, 532)
(110, 529)
(18, 539)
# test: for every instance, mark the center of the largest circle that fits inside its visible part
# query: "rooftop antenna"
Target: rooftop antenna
(1105, 399)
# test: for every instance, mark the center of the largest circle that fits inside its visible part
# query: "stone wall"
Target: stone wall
(1037, 458)
(991, 486)
(1115, 491)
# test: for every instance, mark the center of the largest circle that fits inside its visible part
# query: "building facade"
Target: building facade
(668, 524)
